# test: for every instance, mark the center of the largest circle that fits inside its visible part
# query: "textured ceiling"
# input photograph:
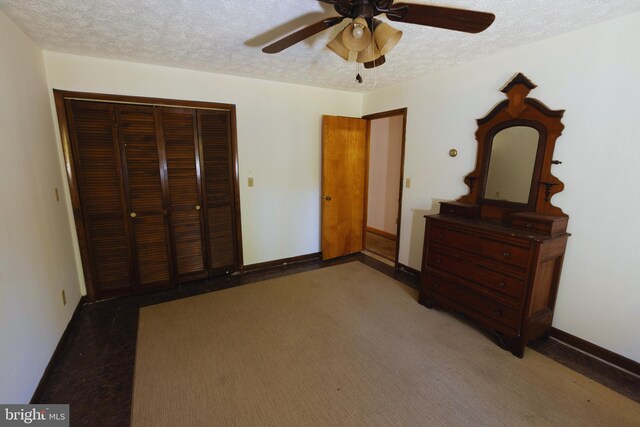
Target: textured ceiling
(226, 36)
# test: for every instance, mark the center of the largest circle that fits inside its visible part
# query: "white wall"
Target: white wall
(594, 74)
(385, 156)
(36, 255)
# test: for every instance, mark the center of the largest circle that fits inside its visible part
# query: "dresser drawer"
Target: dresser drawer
(449, 237)
(502, 251)
(472, 269)
(548, 224)
(532, 225)
(473, 301)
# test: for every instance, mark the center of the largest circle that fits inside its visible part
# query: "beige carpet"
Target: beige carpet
(345, 346)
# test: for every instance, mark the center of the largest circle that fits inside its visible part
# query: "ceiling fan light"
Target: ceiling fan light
(350, 33)
(370, 53)
(358, 31)
(339, 48)
(386, 37)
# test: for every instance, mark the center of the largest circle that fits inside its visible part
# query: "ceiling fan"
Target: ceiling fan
(367, 39)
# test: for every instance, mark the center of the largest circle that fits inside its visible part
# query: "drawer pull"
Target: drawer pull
(528, 225)
(497, 313)
(506, 254)
(501, 284)
(438, 261)
(436, 284)
(440, 236)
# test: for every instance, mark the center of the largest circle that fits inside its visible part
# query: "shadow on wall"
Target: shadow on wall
(417, 232)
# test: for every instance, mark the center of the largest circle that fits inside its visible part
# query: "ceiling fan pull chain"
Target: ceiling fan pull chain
(375, 77)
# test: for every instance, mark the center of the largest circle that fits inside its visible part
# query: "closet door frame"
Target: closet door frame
(61, 97)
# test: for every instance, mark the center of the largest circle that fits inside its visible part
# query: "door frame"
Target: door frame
(60, 98)
(369, 118)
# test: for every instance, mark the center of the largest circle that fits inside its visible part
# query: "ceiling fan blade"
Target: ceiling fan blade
(302, 34)
(468, 21)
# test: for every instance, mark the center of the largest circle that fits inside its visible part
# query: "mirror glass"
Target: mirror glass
(513, 158)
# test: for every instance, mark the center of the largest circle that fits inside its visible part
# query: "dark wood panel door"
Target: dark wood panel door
(94, 142)
(143, 169)
(217, 174)
(179, 132)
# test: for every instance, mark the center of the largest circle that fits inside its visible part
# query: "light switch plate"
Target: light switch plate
(408, 183)
(250, 181)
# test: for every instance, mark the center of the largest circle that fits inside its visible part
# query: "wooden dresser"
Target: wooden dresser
(502, 275)
(495, 255)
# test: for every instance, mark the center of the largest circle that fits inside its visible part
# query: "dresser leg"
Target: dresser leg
(514, 345)
(427, 302)
(518, 351)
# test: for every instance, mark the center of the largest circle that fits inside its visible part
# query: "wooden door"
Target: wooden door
(343, 185)
(179, 131)
(96, 158)
(143, 170)
(219, 195)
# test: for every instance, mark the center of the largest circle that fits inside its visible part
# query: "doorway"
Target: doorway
(383, 199)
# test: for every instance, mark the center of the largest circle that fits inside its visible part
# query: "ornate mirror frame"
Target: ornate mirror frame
(518, 110)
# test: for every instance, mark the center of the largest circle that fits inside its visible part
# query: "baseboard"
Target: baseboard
(37, 394)
(382, 233)
(281, 262)
(409, 270)
(596, 351)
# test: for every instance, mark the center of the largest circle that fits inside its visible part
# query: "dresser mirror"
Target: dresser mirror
(512, 157)
(515, 154)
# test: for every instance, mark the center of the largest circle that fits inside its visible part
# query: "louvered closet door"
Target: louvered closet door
(179, 130)
(97, 164)
(215, 136)
(142, 167)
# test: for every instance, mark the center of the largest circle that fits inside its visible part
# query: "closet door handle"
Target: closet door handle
(133, 215)
(197, 207)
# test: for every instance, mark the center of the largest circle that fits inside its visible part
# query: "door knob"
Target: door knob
(327, 198)
(133, 215)
(197, 207)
